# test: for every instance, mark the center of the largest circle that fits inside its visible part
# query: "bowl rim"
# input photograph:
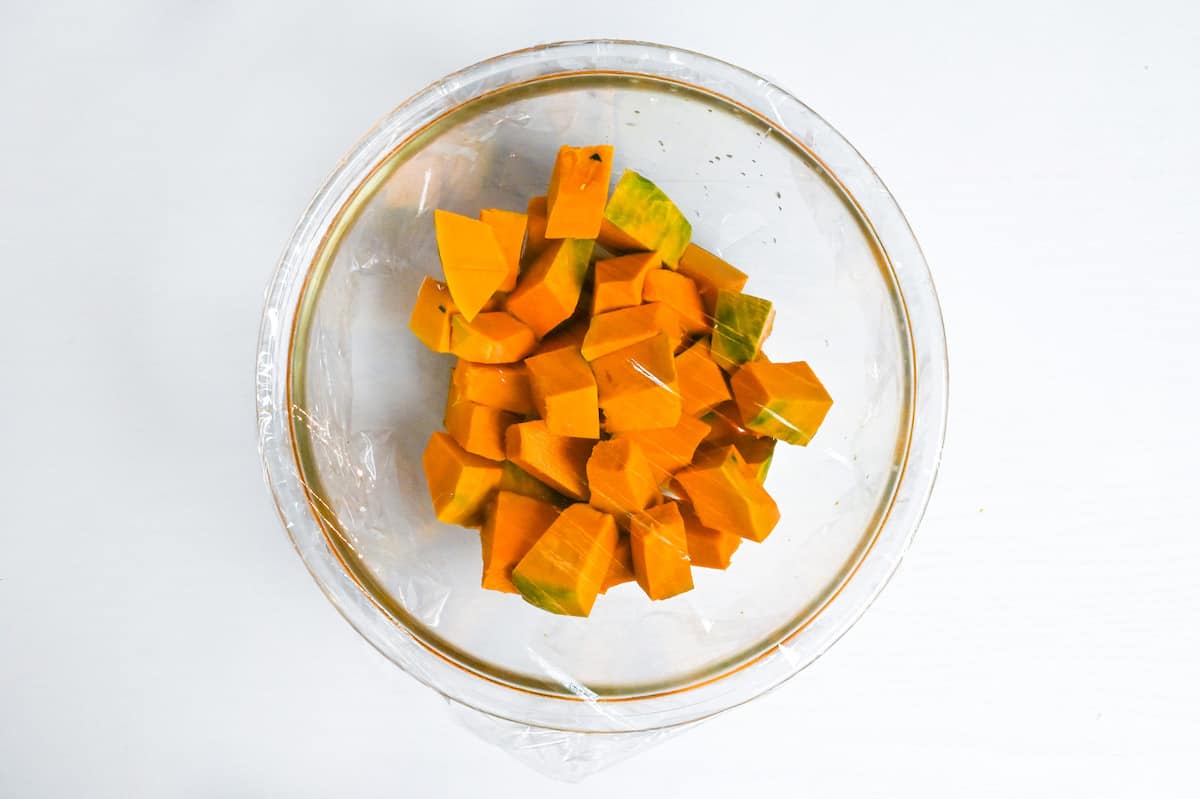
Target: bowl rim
(305, 522)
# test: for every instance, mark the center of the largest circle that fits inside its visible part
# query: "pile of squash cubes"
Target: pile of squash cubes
(611, 416)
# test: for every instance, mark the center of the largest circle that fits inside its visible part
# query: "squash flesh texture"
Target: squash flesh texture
(578, 191)
(516, 480)
(711, 275)
(638, 388)
(565, 569)
(491, 337)
(781, 400)
(725, 498)
(558, 461)
(619, 282)
(535, 230)
(477, 428)
(459, 482)
(513, 524)
(709, 548)
(620, 569)
(623, 328)
(678, 292)
(546, 295)
(740, 326)
(658, 542)
(431, 315)
(502, 386)
(640, 216)
(509, 229)
(564, 392)
(620, 478)
(668, 449)
(701, 382)
(471, 258)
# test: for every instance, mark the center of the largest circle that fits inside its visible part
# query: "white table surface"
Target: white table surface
(159, 637)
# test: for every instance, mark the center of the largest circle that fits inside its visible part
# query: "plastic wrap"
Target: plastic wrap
(347, 397)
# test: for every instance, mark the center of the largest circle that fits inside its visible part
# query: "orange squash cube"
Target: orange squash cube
(701, 381)
(678, 292)
(518, 481)
(619, 282)
(503, 386)
(660, 551)
(637, 386)
(471, 259)
(711, 275)
(492, 337)
(512, 526)
(620, 478)
(477, 428)
(546, 295)
(564, 570)
(460, 483)
(668, 449)
(781, 400)
(535, 231)
(709, 548)
(431, 315)
(725, 498)
(569, 334)
(558, 461)
(620, 569)
(578, 191)
(509, 228)
(564, 392)
(622, 328)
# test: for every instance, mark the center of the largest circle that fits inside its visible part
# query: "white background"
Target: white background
(158, 635)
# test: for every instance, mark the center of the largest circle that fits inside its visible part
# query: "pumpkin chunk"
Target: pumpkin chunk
(640, 216)
(503, 386)
(471, 259)
(620, 478)
(619, 282)
(678, 292)
(701, 382)
(725, 498)
(558, 461)
(781, 400)
(513, 525)
(459, 482)
(492, 337)
(546, 295)
(660, 551)
(509, 229)
(564, 393)
(431, 315)
(740, 326)
(578, 191)
(668, 449)
(711, 275)
(638, 387)
(564, 570)
(712, 549)
(617, 330)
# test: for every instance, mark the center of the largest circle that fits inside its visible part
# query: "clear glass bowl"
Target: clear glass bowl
(347, 396)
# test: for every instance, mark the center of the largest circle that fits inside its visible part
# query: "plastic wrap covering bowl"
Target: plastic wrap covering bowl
(347, 396)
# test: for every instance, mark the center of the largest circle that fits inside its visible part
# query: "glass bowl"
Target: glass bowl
(347, 397)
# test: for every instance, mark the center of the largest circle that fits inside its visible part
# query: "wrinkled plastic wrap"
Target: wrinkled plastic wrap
(347, 397)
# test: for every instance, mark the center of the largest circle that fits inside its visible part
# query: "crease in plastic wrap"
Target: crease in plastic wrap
(347, 397)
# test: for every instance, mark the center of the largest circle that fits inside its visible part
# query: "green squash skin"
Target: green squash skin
(773, 421)
(519, 481)
(642, 211)
(555, 600)
(741, 322)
